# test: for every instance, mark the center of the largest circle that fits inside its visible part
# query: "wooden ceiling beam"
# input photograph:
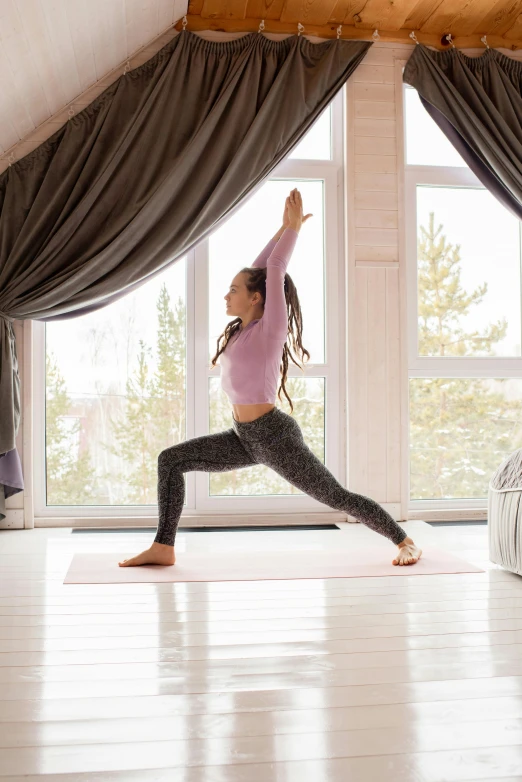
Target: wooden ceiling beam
(349, 32)
(195, 7)
(515, 31)
(224, 9)
(316, 12)
(264, 9)
(469, 19)
(501, 18)
(421, 13)
(445, 13)
(345, 10)
(389, 16)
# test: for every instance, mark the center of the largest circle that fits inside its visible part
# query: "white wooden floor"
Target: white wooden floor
(379, 679)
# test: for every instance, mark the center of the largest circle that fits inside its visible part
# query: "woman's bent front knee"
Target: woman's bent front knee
(169, 456)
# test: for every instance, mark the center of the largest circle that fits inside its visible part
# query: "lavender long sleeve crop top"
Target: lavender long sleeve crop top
(251, 361)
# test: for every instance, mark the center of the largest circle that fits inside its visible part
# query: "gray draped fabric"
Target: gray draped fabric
(148, 170)
(11, 480)
(477, 103)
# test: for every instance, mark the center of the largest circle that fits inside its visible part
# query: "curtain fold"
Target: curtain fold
(146, 171)
(477, 103)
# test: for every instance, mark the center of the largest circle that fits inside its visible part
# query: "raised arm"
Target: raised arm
(275, 318)
(260, 261)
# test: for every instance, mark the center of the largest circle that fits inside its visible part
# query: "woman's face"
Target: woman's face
(239, 301)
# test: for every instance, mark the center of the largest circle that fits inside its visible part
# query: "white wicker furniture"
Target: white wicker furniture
(505, 514)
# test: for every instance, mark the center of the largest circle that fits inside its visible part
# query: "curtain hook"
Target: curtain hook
(413, 36)
(184, 22)
(127, 68)
(484, 40)
(300, 28)
(375, 35)
(261, 25)
(339, 31)
(11, 158)
(71, 112)
(449, 39)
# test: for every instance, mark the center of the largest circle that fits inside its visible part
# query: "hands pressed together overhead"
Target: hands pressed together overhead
(293, 214)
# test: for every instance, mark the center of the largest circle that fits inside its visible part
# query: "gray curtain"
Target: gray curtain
(148, 170)
(477, 103)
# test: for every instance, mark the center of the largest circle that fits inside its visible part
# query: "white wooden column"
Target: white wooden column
(377, 371)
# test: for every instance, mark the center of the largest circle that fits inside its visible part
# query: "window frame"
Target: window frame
(431, 366)
(197, 501)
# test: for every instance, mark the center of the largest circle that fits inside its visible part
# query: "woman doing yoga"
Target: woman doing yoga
(266, 307)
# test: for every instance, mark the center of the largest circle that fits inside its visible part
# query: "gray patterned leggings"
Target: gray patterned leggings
(273, 439)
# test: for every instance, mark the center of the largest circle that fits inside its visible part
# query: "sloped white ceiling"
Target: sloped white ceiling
(51, 51)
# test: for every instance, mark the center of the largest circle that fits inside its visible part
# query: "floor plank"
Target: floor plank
(122, 650)
(104, 706)
(316, 746)
(212, 668)
(417, 678)
(291, 721)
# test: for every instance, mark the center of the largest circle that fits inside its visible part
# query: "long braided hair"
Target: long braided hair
(256, 281)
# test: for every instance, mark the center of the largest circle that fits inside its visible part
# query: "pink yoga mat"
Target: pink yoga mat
(263, 565)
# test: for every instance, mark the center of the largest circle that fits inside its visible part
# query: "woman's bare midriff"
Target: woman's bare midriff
(246, 413)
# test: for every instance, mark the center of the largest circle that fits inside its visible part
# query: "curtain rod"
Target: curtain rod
(197, 23)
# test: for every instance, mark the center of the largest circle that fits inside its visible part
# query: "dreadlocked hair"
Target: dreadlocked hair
(256, 281)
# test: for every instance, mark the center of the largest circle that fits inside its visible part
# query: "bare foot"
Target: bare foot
(157, 554)
(408, 553)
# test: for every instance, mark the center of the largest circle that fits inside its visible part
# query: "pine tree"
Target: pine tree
(460, 428)
(154, 417)
(169, 382)
(134, 438)
(71, 480)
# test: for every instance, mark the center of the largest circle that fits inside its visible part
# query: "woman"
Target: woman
(261, 297)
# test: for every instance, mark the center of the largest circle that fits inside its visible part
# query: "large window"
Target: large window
(117, 386)
(464, 322)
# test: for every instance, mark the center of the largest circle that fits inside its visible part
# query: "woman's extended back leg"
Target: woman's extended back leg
(297, 463)
(209, 453)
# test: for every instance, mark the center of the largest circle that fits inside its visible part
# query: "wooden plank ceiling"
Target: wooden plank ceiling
(57, 55)
(466, 20)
